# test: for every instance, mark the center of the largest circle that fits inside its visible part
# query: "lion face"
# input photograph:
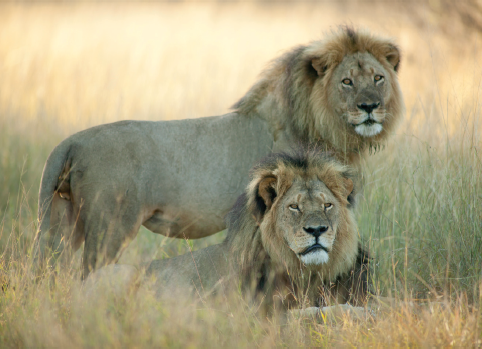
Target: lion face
(362, 86)
(309, 213)
(304, 211)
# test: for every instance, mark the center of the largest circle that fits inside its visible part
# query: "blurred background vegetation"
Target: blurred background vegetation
(71, 65)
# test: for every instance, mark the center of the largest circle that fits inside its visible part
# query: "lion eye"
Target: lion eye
(378, 78)
(347, 82)
(294, 207)
(328, 206)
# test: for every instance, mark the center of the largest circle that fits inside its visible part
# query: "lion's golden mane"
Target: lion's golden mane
(289, 91)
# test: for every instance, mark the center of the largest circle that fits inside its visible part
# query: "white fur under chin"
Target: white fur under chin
(368, 130)
(315, 258)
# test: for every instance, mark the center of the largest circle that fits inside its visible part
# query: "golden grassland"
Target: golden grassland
(70, 66)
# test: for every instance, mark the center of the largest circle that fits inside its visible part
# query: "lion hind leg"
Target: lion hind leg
(107, 235)
(66, 232)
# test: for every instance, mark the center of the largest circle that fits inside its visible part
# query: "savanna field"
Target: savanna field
(66, 67)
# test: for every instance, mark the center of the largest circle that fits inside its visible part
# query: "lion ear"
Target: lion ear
(265, 195)
(349, 186)
(320, 64)
(393, 57)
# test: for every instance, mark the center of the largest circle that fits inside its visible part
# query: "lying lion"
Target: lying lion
(292, 241)
(179, 178)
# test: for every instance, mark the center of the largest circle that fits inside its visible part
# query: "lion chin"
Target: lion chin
(316, 257)
(368, 130)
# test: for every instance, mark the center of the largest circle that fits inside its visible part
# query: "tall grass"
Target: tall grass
(67, 67)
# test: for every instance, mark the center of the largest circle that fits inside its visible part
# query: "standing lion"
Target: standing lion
(179, 178)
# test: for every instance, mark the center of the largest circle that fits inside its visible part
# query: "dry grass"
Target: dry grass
(67, 67)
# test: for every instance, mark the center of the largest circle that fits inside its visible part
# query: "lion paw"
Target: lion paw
(333, 314)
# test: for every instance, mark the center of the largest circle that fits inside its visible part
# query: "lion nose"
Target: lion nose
(316, 231)
(368, 107)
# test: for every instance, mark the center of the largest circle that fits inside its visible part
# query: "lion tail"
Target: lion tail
(52, 177)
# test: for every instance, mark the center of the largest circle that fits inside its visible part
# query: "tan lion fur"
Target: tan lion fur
(180, 178)
(255, 253)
